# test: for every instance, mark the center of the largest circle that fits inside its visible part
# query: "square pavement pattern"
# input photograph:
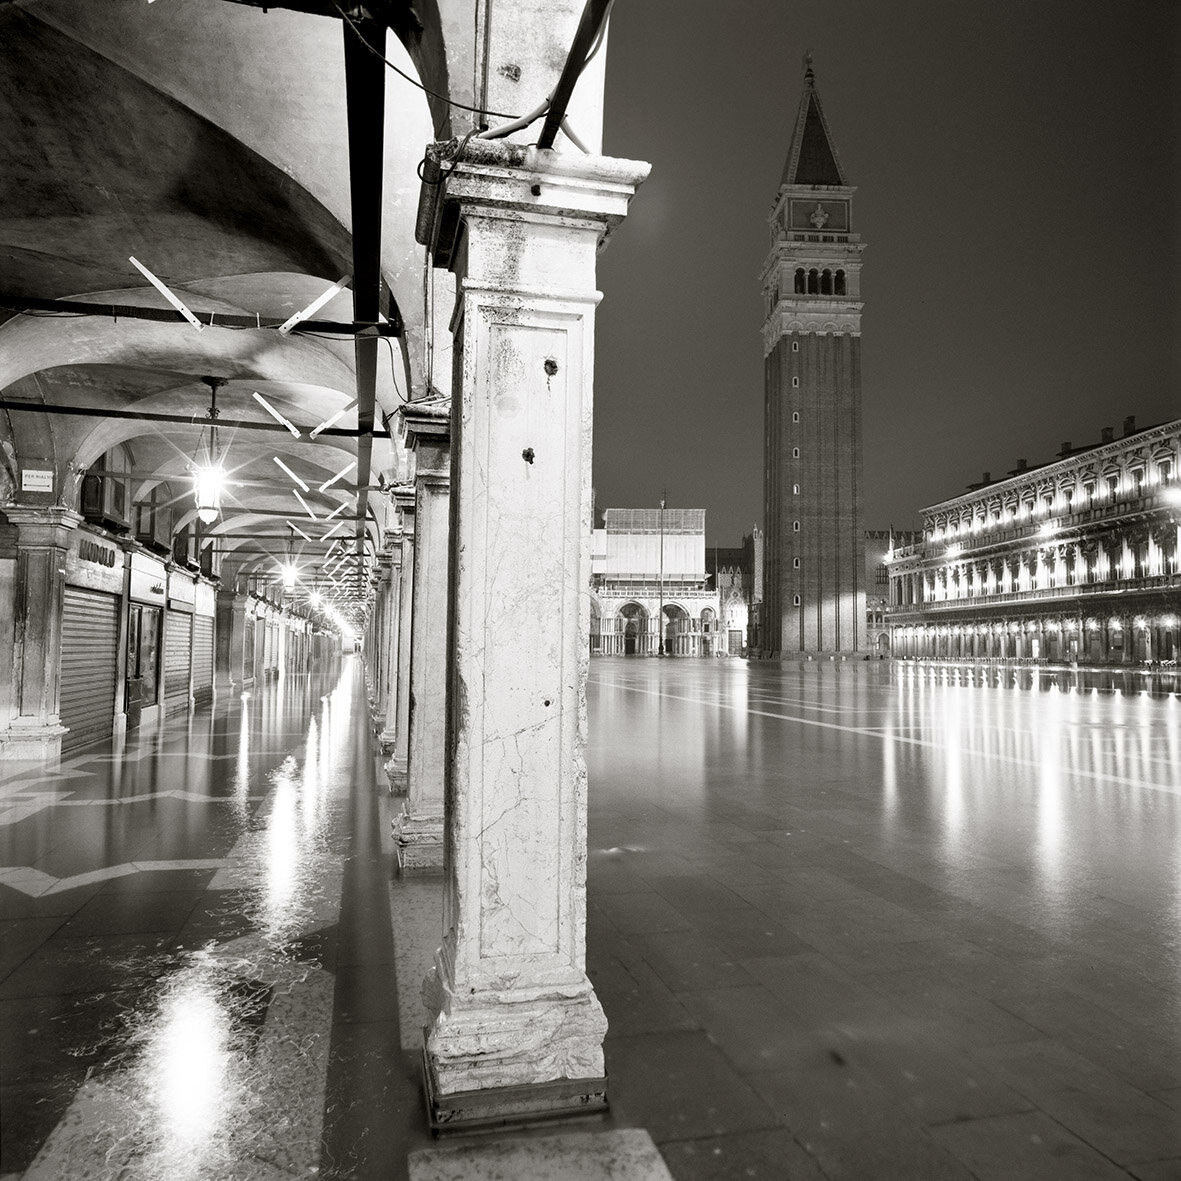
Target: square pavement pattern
(846, 921)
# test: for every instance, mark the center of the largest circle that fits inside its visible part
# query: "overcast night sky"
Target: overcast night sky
(1016, 166)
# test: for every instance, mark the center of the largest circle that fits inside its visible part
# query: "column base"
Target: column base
(36, 741)
(386, 740)
(418, 841)
(546, 1040)
(399, 775)
(499, 1107)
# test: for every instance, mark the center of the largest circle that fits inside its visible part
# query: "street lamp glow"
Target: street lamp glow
(208, 482)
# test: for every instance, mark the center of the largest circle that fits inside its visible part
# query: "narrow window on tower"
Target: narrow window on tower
(795, 344)
(795, 563)
(795, 416)
(795, 490)
(795, 383)
(795, 453)
(795, 600)
(795, 526)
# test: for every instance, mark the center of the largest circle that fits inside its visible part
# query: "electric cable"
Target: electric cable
(414, 81)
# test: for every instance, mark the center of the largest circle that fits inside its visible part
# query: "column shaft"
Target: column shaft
(418, 831)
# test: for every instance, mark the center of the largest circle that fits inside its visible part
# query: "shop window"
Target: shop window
(143, 653)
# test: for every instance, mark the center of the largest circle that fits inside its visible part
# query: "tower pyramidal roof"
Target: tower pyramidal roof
(812, 158)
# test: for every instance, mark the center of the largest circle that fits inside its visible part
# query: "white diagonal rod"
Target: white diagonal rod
(275, 414)
(314, 306)
(160, 287)
(300, 482)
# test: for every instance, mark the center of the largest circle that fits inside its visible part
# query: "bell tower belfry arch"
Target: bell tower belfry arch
(814, 570)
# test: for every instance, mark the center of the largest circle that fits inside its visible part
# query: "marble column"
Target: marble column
(418, 830)
(389, 653)
(516, 1030)
(399, 764)
(34, 728)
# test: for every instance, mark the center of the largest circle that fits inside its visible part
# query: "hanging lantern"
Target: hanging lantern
(209, 478)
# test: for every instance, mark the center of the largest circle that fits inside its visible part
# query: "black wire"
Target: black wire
(394, 370)
(414, 81)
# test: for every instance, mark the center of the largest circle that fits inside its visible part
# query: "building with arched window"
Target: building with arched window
(1075, 560)
(649, 585)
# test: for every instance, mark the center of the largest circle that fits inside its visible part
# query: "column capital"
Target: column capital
(403, 498)
(519, 181)
(426, 430)
(42, 524)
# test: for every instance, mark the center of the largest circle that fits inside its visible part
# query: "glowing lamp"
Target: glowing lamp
(288, 577)
(208, 482)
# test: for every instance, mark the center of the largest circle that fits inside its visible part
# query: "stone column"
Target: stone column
(418, 831)
(34, 729)
(399, 764)
(390, 654)
(517, 1029)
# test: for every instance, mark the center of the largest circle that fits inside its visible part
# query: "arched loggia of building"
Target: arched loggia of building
(676, 632)
(632, 628)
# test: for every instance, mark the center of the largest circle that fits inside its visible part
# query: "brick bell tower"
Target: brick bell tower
(814, 571)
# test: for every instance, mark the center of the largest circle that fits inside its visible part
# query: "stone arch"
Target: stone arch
(632, 622)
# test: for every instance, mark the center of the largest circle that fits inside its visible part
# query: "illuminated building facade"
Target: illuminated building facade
(649, 583)
(814, 573)
(1072, 561)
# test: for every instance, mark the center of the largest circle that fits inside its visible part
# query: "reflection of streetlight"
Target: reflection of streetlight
(660, 614)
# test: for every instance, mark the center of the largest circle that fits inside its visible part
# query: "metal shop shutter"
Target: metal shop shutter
(202, 659)
(90, 640)
(177, 649)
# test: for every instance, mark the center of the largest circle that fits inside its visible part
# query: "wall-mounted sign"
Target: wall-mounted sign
(92, 551)
(94, 563)
(36, 480)
(148, 578)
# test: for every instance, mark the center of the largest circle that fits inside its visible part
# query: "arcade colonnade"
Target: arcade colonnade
(1077, 560)
(447, 534)
(632, 627)
(107, 634)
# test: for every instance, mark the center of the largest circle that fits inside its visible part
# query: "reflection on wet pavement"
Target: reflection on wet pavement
(189, 1013)
(889, 920)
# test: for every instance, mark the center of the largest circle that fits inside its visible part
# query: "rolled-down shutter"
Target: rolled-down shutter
(90, 638)
(177, 648)
(202, 659)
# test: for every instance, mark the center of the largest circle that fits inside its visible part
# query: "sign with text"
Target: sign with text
(36, 480)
